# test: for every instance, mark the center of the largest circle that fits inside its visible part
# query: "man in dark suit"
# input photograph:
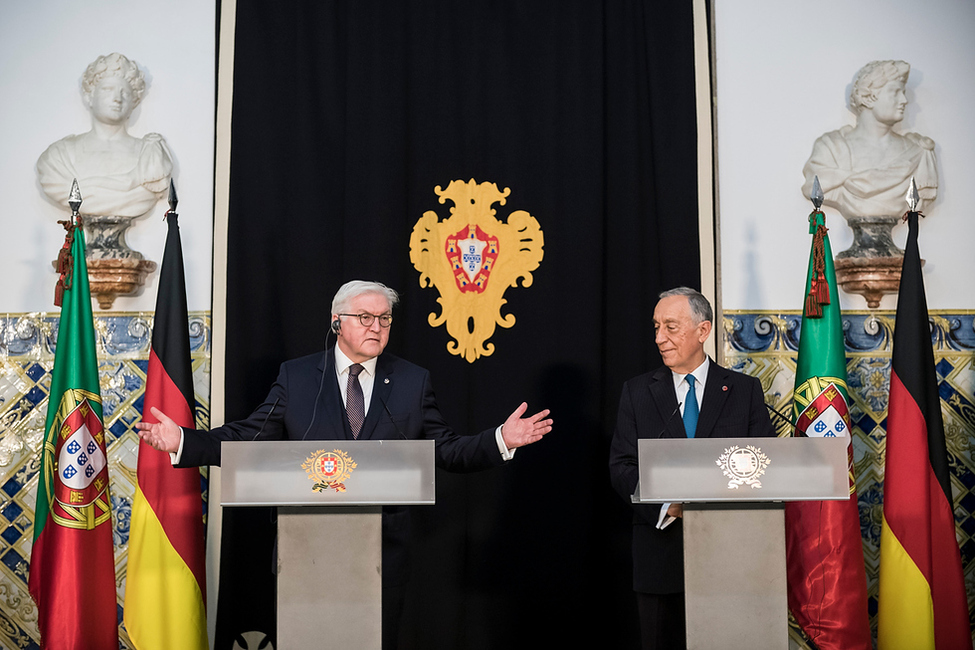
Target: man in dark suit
(714, 403)
(356, 391)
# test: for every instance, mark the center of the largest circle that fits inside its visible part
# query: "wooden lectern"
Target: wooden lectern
(329, 495)
(733, 491)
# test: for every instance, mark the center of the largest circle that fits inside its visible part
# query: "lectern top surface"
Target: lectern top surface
(742, 469)
(328, 472)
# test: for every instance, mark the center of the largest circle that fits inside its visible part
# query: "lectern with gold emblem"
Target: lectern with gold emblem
(733, 491)
(329, 495)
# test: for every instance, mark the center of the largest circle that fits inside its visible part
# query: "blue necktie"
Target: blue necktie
(691, 409)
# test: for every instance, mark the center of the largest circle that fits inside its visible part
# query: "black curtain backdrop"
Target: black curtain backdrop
(346, 116)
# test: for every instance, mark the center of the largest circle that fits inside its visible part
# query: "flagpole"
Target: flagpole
(72, 564)
(827, 584)
(166, 582)
(921, 602)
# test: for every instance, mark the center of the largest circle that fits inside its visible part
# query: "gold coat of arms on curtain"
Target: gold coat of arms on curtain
(472, 258)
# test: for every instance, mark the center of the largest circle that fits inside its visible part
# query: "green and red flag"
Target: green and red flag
(827, 582)
(165, 592)
(72, 564)
(922, 603)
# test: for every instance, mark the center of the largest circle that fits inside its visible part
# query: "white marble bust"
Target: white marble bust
(119, 175)
(865, 170)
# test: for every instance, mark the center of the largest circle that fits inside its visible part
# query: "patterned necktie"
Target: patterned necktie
(691, 409)
(354, 403)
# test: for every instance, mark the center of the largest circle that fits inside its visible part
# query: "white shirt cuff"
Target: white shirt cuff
(664, 519)
(506, 454)
(175, 456)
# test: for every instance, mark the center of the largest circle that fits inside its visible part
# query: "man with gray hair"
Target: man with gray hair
(689, 397)
(355, 390)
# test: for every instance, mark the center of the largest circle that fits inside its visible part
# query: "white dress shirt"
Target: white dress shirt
(367, 379)
(682, 387)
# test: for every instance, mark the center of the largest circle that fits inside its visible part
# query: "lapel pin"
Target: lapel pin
(724, 388)
(386, 381)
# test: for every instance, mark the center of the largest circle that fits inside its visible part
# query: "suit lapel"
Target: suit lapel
(381, 388)
(716, 391)
(331, 411)
(665, 398)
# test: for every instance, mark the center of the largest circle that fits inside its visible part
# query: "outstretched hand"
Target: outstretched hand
(163, 435)
(518, 431)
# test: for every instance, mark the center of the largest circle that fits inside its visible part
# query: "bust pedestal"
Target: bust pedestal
(111, 278)
(871, 267)
(114, 269)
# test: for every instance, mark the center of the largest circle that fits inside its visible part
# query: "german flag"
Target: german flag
(165, 591)
(922, 603)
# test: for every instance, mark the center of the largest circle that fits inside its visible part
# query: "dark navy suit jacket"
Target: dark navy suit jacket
(733, 407)
(308, 405)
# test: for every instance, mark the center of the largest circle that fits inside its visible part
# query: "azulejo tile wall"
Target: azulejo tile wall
(762, 344)
(27, 347)
(765, 345)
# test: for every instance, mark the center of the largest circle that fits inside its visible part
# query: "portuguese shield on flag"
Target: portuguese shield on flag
(72, 564)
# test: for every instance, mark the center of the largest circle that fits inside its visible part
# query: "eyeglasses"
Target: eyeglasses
(367, 319)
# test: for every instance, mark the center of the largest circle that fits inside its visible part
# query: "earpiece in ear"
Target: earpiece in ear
(336, 325)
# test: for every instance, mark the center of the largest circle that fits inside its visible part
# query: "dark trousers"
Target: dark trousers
(662, 625)
(393, 600)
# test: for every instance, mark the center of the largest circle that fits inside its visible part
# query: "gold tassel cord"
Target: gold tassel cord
(65, 263)
(818, 286)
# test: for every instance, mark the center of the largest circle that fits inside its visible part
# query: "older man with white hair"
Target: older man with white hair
(690, 396)
(355, 390)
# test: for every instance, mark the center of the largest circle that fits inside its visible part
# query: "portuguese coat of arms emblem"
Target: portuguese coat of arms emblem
(822, 412)
(80, 476)
(743, 465)
(472, 258)
(826, 415)
(329, 469)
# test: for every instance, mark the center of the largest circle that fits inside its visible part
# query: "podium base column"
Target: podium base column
(330, 578)
(734, 576)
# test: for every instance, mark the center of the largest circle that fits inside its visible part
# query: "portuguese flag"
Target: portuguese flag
(72, 564)
(922, 603)
(827, 582)
(165, 590)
